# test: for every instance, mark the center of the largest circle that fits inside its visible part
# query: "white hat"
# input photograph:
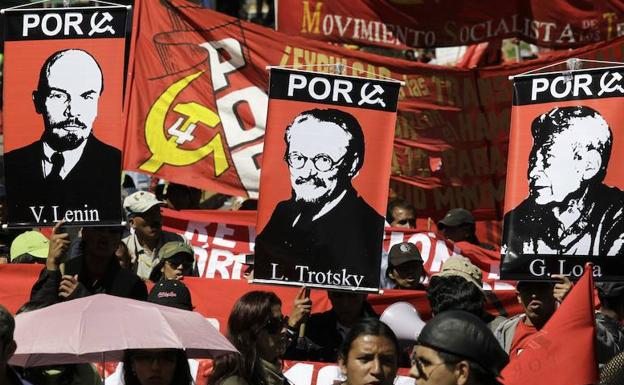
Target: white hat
(139, 202)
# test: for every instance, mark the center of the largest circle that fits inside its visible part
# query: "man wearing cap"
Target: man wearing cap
(459, 286)
(458, 225)
(609, 320)
(29, 247)
(405, 267)
(171, 293)
(176, 262)
(93, 268)
(147, 237)
(457, 348)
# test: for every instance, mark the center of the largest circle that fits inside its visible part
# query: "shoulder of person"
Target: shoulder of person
(507, 324)
(234, 380)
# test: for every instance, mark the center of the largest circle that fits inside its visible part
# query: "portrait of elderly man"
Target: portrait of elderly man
(325, 226)
(68, 167)
(569, 210)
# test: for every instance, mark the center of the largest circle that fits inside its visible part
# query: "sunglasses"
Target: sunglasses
(275, 325)
(176, 262)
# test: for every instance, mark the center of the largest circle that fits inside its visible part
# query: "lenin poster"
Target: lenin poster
(564, 203)
(324, 180)
(63, 87)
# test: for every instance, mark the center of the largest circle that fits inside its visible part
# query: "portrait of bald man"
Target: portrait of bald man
(326, 226)
(67, 168)
(569, 209)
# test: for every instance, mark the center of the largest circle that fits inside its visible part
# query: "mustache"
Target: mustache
(68, 122)
(315, 181)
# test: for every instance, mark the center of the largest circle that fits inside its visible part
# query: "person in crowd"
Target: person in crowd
(369, 354)
(325, 224)
(569, 209)
(459, 286)
(93, 269)
(457, 348)
(401, 213)
(325, 331)
(7, 348)
(29, 247)
(609, 320)
(181, 197)
(145, 219)
(405, 267)
(156, 367)
(539, 301)
(171, 293)
(257, 328)
(458, 225)
(176, 260)
(123, 256)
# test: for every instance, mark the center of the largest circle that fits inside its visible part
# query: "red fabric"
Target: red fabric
(563, 351)
(520, 338)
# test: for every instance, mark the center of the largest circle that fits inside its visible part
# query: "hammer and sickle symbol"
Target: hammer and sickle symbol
(99, 26)
(609, 86)
(368, 97)
(165, 150)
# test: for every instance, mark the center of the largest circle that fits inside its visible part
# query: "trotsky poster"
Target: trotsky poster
(564, 204)
(324, 180)
(63, 86)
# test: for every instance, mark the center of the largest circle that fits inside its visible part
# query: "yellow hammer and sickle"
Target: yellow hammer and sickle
(166, 151)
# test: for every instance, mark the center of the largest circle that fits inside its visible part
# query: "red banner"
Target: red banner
(451, 136)
(424, 23)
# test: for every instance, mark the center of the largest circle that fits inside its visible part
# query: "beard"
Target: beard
(60, 138)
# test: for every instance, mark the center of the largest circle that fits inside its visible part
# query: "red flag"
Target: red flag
(564, 351)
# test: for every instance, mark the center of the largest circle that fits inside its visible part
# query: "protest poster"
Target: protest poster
(324, 181)
(448, 23)
(63, 86)
(564, 204)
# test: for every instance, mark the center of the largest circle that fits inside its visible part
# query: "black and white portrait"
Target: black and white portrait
(325, 226)
(569, 209)
(67, 173)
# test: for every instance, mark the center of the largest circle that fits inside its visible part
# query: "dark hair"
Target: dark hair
(398, 203)
(368, 327)
(455, 293)
(181, 376)
(249, 316)
(343, 120)
(558, 119)
(477, 373)
(7, 325)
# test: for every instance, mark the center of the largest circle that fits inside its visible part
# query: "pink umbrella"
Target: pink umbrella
(100, 327)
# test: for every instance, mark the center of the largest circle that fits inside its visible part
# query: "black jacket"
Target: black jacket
(94, 181)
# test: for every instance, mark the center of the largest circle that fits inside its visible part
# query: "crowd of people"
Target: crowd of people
(462, 344)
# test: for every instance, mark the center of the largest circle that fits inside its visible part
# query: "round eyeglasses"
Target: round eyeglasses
(322, 162)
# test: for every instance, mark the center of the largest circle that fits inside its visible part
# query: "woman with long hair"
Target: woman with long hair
(156, 367)
(257, 328)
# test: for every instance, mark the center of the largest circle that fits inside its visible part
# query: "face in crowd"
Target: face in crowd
(154, 366)
(571, 147)
(537, 300)
(403, 217)
(429, 368)
(148, 224)
(407, 275)
(67, 97)
(101, 242)
(348, 307)
(272, 338)
(177, 266)
(458, 233)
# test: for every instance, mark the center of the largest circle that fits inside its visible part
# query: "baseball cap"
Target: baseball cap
(610, 289)
(139, 202)
(30, 242)
(463, 334)
(171, 293)
(460, 266)
(403, 252)
(170, 249)
(456, 217)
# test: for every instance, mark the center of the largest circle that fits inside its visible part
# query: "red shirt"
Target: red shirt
(522, 335)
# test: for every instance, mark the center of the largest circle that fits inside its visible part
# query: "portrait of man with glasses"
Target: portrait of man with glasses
(326, 226)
